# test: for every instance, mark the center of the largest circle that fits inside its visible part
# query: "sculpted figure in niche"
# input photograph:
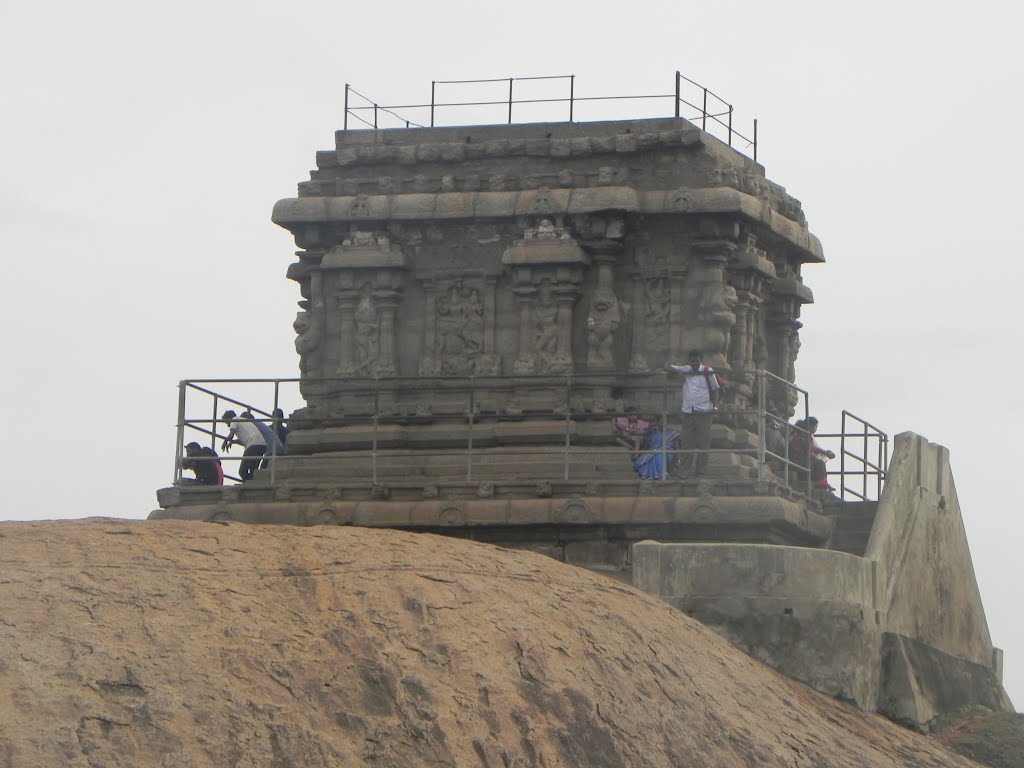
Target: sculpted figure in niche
(657, 298)
(307, 341)
(545, 314)
(460, 328)
(605, 316)
(718, 319)
(367, 331)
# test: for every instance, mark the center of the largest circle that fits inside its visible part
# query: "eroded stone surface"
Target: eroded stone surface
(191, 644)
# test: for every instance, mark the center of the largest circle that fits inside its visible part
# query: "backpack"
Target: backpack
(718, 379)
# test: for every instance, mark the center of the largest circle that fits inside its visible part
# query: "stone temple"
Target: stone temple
(479, 303)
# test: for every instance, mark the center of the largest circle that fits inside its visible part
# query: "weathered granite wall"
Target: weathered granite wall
(545, 249)
(901, 630)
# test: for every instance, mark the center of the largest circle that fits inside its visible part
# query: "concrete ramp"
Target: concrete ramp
(937, 649)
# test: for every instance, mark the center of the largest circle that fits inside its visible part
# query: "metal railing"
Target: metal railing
(707, 107)
(863, 458)
(471, 407)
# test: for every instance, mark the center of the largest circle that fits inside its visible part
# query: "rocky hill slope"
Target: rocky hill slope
(179, 644)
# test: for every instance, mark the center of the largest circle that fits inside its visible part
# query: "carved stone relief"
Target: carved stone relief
(606, 314)
(718, 318)
(546, 268)
(458, 328)
(657, 307)
(307, 342)
(367, 333)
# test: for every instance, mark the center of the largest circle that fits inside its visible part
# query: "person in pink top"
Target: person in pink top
(804, 450)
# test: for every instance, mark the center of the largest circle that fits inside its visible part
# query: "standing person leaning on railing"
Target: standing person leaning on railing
(244, 431)
(274, 446)
(699, 402)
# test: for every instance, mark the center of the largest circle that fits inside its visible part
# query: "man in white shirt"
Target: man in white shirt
(244, 431)
(699, 401)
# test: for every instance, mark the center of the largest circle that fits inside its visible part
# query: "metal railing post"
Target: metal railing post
(273, 425)
(883, 450)
(376, 423)
(469, 437)
(755, 139)
(213, 424)
(842, 457)
(664, 429)
(375, 116)
(568, 424)
(345, 122)
(572, 90)
(730, 125)
(761, 436)
(864, 476)
(179, 448)
(433, 84)
(510, 81)
(677, 92)
(810, 438)
(704, 112)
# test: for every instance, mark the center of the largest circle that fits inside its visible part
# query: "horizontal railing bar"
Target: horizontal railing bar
(712, 93)
(503, 79)
(505, 102)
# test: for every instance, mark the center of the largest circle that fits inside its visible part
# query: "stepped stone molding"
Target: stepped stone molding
(295, 212)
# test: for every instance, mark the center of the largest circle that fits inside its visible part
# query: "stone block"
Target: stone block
(346, 157)
(383, 514)
(626, 143)
(597, 555)
(453, 152)
(561, 148)
(921, 682)
(538, 147)
(580, 146)
(406, 154)
(428, 153)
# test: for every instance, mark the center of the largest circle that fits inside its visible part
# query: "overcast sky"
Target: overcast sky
(143, 145)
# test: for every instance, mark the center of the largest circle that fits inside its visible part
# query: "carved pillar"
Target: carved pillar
(429, 365)
(715, 316)
(388, 300)
(788, 294)
(345, 299)
(490, 361)
(750, 271)
(566, 295)
(655, 313)
(638, 351)
(524, 362)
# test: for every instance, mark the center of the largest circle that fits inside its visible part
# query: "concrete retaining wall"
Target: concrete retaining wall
(901, 630)
(806, 612)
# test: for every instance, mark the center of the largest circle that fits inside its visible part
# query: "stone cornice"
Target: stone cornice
(292, 213)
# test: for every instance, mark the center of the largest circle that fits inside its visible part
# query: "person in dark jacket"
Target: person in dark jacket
(205, 463)
(279, 426)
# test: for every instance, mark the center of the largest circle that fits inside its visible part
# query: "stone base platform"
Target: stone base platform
(560, 520)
